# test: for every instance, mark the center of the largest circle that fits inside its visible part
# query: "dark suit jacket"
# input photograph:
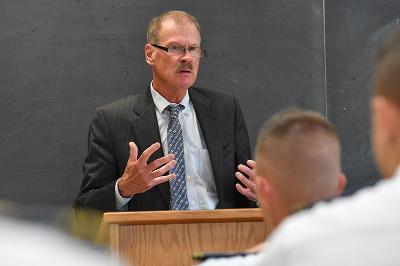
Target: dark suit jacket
(134, 119)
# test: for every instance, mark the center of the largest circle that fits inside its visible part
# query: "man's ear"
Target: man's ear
(148, 54)
(341, 184)
(263, 190)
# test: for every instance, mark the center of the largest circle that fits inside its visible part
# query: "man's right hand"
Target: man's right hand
(139, 176)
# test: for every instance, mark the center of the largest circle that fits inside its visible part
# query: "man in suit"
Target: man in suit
(184, 142)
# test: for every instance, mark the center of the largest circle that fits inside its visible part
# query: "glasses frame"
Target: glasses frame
(166, 49)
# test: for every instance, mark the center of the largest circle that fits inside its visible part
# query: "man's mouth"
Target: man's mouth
(185, 71)
(185, 68)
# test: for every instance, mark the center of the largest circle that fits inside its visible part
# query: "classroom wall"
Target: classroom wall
(60, 59)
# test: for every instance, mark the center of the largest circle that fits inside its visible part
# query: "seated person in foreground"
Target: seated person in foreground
(298, 164)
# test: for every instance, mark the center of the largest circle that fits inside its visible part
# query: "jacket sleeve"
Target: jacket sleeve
(242, 151)
(99, 169)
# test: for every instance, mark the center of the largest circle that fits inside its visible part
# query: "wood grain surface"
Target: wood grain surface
(177, 235)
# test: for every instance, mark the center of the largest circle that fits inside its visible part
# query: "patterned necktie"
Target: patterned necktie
(179, 200)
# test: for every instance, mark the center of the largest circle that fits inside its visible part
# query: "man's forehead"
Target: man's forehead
(171, 21)
(171, 28)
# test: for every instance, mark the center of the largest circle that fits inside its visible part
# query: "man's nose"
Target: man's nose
(186, 56)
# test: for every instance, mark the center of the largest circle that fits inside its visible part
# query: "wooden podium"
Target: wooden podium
(171, 237)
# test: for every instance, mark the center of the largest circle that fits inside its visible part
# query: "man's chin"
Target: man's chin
(185, 84)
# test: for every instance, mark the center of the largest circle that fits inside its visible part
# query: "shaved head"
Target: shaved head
(387, 77)
(299, 152)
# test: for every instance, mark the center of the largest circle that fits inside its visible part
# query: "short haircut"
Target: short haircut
(387, 73)
(299, 151)
(153, 30)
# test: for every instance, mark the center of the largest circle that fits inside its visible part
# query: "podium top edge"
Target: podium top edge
(182, 217)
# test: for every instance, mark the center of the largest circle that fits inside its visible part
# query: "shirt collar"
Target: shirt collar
(161, 103)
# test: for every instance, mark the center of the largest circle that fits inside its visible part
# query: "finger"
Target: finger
(246, 192)
(251, 163)
(133, 151)
(148, 152)
(246, 170)
(245, 181)
(162, 170)
(163, 160)
(161, 179)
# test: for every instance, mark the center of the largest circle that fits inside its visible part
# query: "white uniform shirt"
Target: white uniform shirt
(363, 229)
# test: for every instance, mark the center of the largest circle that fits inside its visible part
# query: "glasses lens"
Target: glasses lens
(196, 52)
(176, 50)
(180, 50)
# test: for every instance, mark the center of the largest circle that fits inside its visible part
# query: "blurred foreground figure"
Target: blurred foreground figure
(25, 243)
(298, 163)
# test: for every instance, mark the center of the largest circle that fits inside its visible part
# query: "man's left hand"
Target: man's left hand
(249, 188)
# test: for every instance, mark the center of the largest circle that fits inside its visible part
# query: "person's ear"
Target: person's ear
(341, 184)
(263, 190)
(148, 53)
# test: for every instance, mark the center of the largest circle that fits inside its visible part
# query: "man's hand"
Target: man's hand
(139, 176)
(250, 186)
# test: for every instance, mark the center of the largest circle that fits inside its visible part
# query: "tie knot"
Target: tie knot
(174, 110)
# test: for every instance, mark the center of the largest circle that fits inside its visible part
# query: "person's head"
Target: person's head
(386, 106)
(173, 72)
(298, 162)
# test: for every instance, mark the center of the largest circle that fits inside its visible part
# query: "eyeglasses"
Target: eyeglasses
(180, 50)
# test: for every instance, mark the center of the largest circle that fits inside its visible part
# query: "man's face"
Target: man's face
(175, 72)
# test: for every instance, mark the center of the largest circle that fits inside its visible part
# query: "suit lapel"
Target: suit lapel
(147, 132)
(207, 117)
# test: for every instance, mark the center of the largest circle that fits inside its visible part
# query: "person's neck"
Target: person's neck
(278, 213)
(298, 207)
(172, 95)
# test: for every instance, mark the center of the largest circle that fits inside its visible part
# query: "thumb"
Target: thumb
(133, 151)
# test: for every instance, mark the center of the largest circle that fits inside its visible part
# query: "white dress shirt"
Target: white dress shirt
(363, 229)
(200, 184)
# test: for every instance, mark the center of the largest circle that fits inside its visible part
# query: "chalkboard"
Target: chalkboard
(354, 32)
(60, 59)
